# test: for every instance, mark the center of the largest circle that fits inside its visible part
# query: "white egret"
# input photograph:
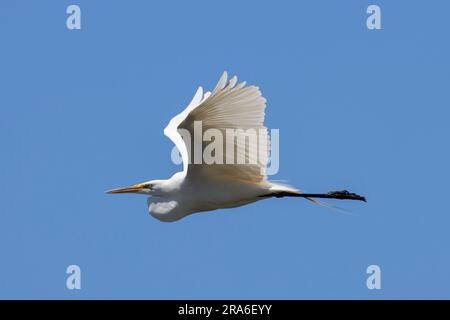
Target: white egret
(205, 187)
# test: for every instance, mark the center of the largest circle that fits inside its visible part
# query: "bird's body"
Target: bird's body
(180, 196)
(211, 185)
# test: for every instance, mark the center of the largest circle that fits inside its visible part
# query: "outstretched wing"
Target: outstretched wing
(230, 108)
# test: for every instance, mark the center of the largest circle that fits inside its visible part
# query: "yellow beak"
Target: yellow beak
(132, 189)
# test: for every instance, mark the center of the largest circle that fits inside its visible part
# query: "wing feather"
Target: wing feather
(171, 130)
(229, 106)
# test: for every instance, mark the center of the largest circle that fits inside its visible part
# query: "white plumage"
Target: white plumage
(203, 187)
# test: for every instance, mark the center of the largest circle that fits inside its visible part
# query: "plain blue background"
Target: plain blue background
(83, 111)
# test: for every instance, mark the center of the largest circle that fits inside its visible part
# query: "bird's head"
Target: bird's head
(147, 188)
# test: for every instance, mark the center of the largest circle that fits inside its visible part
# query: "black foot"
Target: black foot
(345, 194)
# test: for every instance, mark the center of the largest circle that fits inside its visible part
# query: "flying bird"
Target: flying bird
(210, 186)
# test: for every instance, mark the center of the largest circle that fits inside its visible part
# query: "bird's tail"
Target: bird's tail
(278, 189)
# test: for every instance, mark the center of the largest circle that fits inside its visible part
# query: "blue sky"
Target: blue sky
(82, 111)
